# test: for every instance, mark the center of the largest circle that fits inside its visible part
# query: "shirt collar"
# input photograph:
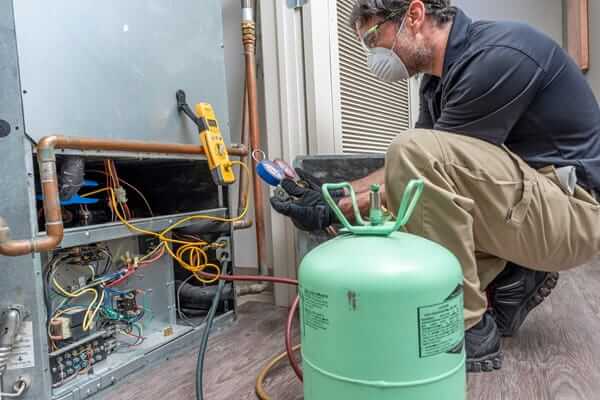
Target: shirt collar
(458, 39)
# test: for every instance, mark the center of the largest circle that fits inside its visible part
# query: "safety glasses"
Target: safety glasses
(371, 36)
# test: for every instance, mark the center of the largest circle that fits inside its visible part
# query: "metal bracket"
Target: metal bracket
(23, 311)
(223, 254)
(296, 3)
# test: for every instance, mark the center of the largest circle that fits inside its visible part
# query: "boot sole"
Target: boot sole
(489, 363)
(537, 297)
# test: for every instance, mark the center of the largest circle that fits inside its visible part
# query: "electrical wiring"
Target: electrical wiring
(155, 255)
(91, 312)
(260, 379)
(139, 338)
(135, 189)
(195, 249)
(95, 192)
(108, 264)
(181, 314)
(191, 255)
(113, 183)
(100, 306)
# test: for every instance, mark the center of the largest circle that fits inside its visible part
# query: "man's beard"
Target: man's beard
(420, 58)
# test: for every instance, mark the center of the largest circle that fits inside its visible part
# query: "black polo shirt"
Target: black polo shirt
(507, 83)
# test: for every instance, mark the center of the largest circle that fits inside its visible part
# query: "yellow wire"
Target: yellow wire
(88, 319)
(95, 192)
(94, 313)
(195, 249)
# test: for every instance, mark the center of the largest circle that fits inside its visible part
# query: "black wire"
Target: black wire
(204, 342)
(109, 260)
(46, 286)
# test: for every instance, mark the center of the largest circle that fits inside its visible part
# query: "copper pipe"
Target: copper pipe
(249, 40)
(130, 146)
(47, 162)
(247, 222)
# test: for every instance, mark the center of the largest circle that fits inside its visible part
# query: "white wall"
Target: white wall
(546, 15)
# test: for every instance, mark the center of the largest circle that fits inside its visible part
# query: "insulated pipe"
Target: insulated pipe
(47, 162)
(249, 41)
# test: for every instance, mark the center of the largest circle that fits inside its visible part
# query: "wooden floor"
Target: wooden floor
(555, 356)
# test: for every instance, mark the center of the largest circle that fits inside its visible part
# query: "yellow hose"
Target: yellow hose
(260, 379)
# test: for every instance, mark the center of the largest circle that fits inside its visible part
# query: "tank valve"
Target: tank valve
(376, 212)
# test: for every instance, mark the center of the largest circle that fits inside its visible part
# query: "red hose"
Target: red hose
(288, 339)
(291, 315)
(252, 278)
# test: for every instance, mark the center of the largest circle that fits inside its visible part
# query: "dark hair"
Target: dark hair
(440, 10)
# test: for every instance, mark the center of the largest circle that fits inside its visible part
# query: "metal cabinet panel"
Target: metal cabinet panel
(111, 68)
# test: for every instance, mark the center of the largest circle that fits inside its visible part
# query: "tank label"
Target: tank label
(315, 309)
(441, 326)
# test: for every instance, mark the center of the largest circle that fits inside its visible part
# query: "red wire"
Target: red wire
(122, 279)
(155, 258)
(288, 339)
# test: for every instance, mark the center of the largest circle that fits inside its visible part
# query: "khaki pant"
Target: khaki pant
(487, 206)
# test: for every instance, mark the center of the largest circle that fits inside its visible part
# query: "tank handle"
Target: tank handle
(411, 196)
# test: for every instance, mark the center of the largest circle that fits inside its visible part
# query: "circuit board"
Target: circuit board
(80, 359)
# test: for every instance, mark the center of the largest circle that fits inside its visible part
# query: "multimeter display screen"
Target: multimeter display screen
(212, 123)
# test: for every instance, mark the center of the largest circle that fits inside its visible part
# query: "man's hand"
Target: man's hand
(306, 207)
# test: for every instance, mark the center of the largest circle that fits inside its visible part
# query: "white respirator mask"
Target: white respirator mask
(385, 64)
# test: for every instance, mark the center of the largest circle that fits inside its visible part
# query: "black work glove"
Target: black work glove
(305, 206)
(312, 182)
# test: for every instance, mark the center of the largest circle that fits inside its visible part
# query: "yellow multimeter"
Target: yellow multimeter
(214, 145)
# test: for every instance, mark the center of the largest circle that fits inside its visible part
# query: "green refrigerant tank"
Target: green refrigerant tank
(381, 311)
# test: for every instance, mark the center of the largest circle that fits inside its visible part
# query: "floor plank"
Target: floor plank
(556, 355)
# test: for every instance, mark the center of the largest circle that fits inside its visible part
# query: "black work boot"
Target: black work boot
(517, 291)
(482, 343)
